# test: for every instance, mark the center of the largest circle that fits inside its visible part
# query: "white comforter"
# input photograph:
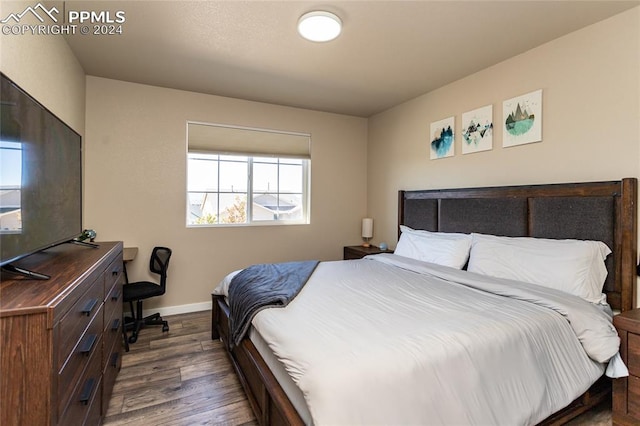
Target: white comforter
(390, 340)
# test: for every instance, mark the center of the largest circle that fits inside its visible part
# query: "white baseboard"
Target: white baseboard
(175, 310)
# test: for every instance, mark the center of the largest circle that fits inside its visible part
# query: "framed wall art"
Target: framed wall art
(522, 119)
(442, 138)
(477, 130)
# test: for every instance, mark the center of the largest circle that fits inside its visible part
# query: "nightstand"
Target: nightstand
(358, 252)
(626, 390)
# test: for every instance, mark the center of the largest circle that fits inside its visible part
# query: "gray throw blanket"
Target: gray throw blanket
(264, 286)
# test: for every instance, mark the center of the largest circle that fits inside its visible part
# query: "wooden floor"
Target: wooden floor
(178, 378)
(184, 378)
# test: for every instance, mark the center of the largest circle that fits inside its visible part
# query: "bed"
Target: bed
(598, 211)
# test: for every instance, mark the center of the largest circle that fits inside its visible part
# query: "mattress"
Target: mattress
(413, 343)
(288, 386)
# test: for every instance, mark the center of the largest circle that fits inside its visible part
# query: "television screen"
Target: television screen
(40, 176)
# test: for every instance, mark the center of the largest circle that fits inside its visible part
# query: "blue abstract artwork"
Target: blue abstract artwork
(442, 138)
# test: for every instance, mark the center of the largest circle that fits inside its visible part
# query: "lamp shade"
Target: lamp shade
(367, 227)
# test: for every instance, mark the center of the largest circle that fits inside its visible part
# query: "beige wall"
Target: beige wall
(591, 121)
(46, 68)
(135, 180)
(135, 147)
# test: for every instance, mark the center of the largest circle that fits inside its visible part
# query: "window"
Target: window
(10, 187)
(266, 168)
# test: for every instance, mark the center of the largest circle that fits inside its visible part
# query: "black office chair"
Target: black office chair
(141, 290)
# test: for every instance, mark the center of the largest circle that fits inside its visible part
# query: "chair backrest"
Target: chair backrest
(159, 263)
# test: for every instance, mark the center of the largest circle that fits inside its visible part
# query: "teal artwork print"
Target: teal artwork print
(474, 133)
(522, 119)
(519, 121)
(442, 144)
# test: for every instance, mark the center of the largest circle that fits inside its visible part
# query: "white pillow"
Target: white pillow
(572, 266)
(447, 249)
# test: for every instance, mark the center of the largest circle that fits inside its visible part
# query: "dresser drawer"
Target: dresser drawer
(67, 304)
(94, 413)
(113, 304)
(112, 327)
(112, 274)
(75, 322)
(86, 396)
(112, 366)
(88, 349)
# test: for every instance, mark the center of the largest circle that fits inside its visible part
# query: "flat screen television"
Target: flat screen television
(40, 177)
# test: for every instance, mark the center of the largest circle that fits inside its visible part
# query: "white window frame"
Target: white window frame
(306, 184)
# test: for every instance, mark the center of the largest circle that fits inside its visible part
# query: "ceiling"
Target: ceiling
(389, 51)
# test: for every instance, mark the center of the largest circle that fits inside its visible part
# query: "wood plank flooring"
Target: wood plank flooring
(184, 378)
(178, 378)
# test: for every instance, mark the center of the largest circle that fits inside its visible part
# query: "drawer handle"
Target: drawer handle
(115, 325)
(114, 359)
(89, 307)
(87, 390)
(115, 272)
(115, 295)
(87, 344)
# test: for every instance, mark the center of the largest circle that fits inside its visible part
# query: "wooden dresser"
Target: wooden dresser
(61, 339)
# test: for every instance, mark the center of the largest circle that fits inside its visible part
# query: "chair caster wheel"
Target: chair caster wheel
(165, 328)
(133, 339)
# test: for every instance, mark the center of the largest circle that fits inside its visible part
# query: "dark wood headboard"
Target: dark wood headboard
(602, 211)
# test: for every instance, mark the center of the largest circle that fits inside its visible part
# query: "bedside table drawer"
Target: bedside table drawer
(358, 252)
(633, 400)
(349, 254)
(633, 354)
(626, 390)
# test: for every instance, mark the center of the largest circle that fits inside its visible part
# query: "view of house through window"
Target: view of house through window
(265, 181)
(10, 187)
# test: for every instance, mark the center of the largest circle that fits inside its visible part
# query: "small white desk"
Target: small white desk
(128, 254)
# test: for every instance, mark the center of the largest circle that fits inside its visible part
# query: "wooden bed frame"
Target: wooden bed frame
(604, 211)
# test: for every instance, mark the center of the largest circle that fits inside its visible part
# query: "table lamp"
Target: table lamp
(367, 230)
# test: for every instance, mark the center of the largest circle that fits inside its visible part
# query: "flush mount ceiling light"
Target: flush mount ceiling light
(319, 26)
